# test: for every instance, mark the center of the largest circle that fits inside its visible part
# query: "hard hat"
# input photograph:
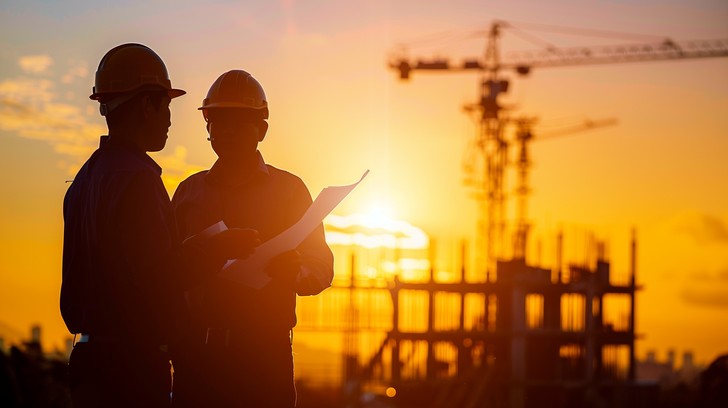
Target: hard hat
(128, 68)
(236, 89)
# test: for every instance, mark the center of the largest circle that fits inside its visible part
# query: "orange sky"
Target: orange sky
(336, 110)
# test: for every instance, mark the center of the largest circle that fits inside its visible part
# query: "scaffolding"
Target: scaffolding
(528, 337)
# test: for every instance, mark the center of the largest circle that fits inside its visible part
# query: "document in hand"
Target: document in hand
(251, 271)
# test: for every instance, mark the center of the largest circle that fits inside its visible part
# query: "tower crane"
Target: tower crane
(491, 142)
(524, 135)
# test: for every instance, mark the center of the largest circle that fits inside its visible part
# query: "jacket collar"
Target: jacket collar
(107, 143)
(220, 175)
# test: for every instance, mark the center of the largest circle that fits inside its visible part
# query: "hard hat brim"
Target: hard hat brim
(172, 93)
(239, 105)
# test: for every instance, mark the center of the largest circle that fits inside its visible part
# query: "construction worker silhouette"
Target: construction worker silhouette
(124, 267)
(238, 350)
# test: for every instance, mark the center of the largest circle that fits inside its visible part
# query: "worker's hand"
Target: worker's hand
(286, 265)
(234, 243)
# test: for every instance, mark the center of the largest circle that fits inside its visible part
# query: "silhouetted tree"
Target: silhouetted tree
(714, 384)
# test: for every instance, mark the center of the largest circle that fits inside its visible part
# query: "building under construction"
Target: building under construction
(526, 337)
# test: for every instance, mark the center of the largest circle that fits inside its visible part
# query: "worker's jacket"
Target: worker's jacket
(269, 200)
(124, 271)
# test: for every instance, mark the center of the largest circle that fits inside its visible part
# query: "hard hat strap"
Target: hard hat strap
(115, 102)
(106, 107)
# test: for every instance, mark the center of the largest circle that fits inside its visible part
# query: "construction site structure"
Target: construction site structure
(528, 339)
(493, 139)
(534, 337)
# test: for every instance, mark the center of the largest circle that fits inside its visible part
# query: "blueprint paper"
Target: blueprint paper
(250, 271)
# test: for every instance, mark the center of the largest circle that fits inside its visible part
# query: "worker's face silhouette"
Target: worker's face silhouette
(156, 119)
(235, 133)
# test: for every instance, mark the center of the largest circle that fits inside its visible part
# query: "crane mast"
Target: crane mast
(491, 143)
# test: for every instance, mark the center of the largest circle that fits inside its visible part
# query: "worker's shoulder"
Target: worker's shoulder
(192, 181)
(116, 165)
(195, 178)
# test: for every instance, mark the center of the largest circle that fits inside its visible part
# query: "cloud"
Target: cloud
(28, 109)
(704, 228)
(707, 297)
(25, 90)
(35, 64)
(77, 70)
(707, 289)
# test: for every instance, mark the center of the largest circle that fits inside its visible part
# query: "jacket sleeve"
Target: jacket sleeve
(317, 267)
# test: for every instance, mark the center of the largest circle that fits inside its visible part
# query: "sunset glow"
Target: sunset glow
(374, 230)
(336, 108)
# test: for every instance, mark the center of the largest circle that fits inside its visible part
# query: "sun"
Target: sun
(374, 228)
(379, 213)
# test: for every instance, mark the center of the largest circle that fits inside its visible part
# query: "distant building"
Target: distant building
(665, 372)
(651, 369)
(33, 345)
(35, 332)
